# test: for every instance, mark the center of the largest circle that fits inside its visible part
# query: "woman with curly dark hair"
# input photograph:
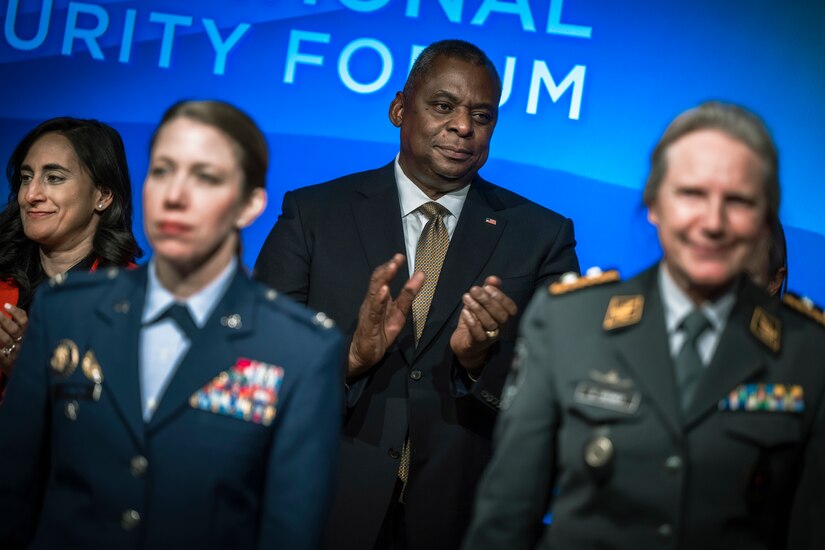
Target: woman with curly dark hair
(69, 208)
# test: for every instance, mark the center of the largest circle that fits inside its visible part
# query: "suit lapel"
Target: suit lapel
(116, 328)
(377, 212)
(377, 215)
(737, 358)
(471, 246)
(212, 351)
(643, 349)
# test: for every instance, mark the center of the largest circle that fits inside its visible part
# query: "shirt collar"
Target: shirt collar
(678, 304)
(412, 197)
(200, 304)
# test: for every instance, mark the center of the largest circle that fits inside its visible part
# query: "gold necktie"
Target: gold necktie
(429, 257)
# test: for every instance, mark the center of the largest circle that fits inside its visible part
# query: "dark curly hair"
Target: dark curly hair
(100, 150)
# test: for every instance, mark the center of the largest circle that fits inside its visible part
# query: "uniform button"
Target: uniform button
(71, 410)
(393, 453)
(673, 463)
(138, 465)
(415, 375)
(598, 452)
(129, 520)
(665, 531)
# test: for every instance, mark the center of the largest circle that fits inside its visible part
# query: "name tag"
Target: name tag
(605, 397)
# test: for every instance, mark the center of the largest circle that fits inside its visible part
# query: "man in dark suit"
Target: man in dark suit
(683, 408)
(422, 393)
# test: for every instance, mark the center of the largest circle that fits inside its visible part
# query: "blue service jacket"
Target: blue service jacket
(79, 467)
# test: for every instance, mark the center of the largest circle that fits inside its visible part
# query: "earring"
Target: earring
(100, 206)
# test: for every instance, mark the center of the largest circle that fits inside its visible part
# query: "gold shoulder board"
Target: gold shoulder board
(570, 282)
(805, 306)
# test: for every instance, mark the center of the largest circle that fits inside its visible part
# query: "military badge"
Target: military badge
(767, 329)
(232, 321)
(623, 311)
(764, 397)
(607, 397)
(611, 378)
(247, 391)
(65, 358)
(91, 370)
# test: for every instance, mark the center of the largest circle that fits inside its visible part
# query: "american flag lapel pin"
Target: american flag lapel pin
(491, 221)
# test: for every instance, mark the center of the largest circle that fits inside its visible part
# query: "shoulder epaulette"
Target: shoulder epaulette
(571, 281)
(83, 278)
(294, 309)
(805, 306)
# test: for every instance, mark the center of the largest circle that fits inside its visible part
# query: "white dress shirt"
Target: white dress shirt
(413, 221)
(162, 343)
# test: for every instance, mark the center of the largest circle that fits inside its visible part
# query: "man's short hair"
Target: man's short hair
(732, 120)
(453, 49)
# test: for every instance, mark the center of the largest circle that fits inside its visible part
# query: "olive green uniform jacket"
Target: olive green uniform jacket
(593, 430)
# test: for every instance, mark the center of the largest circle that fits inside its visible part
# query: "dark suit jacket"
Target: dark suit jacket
(322, 251)
(208, 480)
(708, 478)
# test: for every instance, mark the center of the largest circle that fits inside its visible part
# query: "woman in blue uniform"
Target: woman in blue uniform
(179, 405)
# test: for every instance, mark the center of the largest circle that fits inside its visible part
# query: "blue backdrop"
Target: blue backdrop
(589, 87)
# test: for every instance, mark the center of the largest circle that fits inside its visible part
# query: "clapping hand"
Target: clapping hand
(381, 317)
(485, 313)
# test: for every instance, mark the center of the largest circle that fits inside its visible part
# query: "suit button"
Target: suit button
(415, 375)
(138, 465)
(673, 463)
(665, 531)
(129, 520)
(394, 454)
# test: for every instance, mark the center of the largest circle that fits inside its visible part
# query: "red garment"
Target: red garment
(9, 293)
